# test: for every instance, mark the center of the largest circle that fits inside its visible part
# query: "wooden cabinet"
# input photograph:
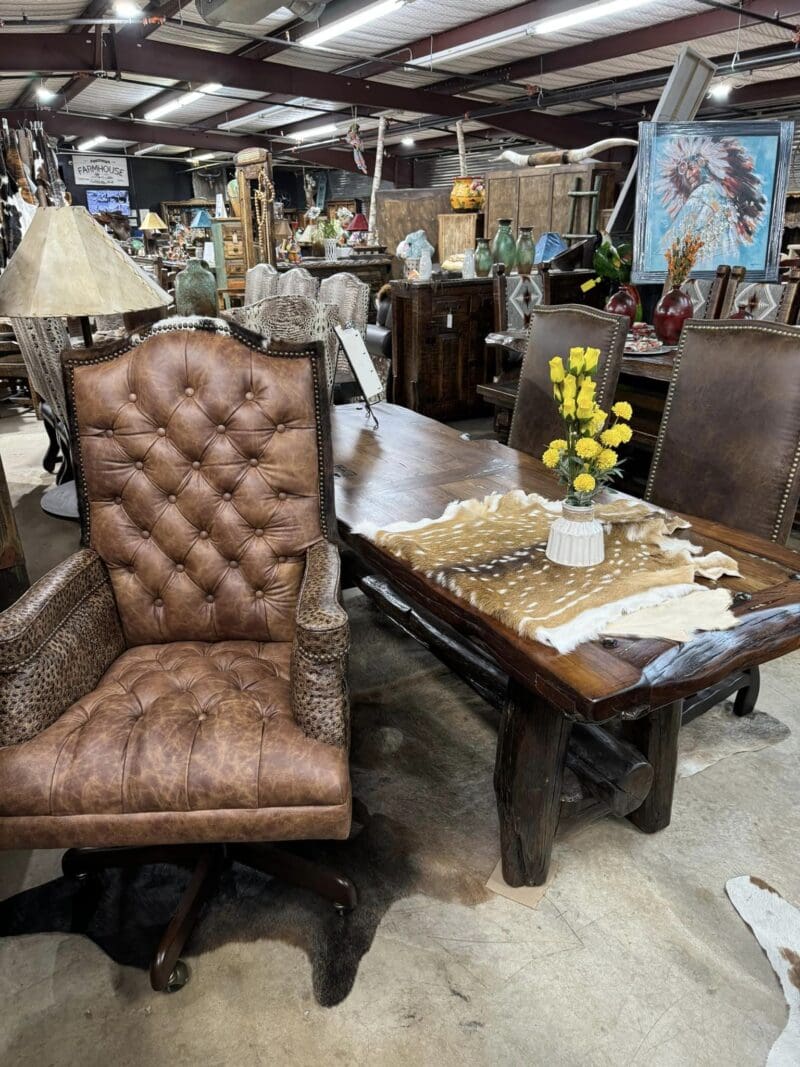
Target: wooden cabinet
(438, 350)
(230, 265)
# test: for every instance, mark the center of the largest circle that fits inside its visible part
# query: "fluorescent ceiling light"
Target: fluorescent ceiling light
(579, 15)
(43, 93)
(126, 9)
(181, 101)
(469, 47)
(149, 148)
(408, 141)
(351, 22)
(316, 131)
(203, 156)
(87, 145)
(720, 90)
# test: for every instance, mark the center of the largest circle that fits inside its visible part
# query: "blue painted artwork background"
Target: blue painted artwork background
(764, 151)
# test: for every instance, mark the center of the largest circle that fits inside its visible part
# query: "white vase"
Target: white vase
(576, 537)
(425, 266)
(330, 248)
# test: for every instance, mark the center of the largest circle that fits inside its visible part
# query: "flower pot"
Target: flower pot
(483, 258)
(625, 301)
(504, 247)
(331, 245)
(463, 197)
(525, 250)
(672, 310)
(576, 537)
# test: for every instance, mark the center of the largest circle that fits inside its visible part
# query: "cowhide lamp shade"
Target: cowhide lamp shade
(67, 265)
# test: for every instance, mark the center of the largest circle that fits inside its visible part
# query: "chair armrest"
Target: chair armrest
(56, 642)
(319, 654)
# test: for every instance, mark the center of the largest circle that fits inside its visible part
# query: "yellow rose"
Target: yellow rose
(607, 459)
(576, 360)
(622, 409)
(586, 448)
(584, 412)
(591, 357)
(624, 432)
(598, 420)
(568, 407)
(559, 444)
(550, 457)
(557, 371)
(584, 483)
(570, 386)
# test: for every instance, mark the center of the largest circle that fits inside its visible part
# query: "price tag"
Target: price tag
(590, 285)
(449, 320)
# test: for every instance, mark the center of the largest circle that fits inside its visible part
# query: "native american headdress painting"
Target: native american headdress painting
(688, 162)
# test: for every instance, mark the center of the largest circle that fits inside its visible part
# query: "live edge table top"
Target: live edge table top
(412, 467)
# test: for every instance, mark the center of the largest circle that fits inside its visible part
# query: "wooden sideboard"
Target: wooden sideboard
(438, 349)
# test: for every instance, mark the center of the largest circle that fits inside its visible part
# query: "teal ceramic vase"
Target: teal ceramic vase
(196, 290)
(483, 258)
(525, 250)
(504, 247)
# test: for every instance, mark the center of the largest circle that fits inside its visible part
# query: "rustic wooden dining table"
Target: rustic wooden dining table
(411, 467)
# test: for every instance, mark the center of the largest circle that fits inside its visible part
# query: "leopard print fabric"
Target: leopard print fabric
(55, 644)
(319, 654)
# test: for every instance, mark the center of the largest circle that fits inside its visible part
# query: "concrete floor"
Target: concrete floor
(633, 956)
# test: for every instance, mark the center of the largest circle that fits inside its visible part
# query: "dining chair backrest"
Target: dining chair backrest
(298, 282)
(515, 297)
(707, 294)
(728, 448)
(260, 281)
(554, 330)
(350, 296)
(41, 342)
(772, 301)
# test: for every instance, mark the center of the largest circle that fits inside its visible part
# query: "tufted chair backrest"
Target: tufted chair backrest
(203, 478)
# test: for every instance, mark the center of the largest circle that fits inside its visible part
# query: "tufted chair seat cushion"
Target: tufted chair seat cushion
(201, 733)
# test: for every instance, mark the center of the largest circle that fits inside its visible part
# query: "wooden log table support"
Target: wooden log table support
(410, 468)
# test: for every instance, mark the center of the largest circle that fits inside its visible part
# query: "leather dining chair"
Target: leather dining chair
(554, 330)
(175, 691)
(728, 447)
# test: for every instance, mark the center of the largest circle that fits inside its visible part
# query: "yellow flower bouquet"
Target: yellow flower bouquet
(586, 458)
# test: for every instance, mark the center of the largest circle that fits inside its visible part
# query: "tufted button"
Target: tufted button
(253, 461)
(109, 433)
(221, 428)
(258, 532)
(132, 397)
(201, 717)
(233, 563)
(179, 567)
(281, 496)
(226, 496)
(249, 396)
(196, 464)
(161, 431)
(203, 535)
(210, 599)
(172, 498)
(117, 499)
(189, 391)
(139, 465)
(145, 533)
(280, 427)
(159, 603)
(259, 594)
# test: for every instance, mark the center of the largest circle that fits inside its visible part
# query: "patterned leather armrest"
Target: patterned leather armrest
(55, 643)
(319, 655)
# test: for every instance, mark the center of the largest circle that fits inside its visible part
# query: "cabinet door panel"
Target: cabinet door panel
(501, 202)
(535, 201)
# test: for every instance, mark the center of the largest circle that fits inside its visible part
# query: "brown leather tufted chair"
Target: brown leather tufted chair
(180, 681)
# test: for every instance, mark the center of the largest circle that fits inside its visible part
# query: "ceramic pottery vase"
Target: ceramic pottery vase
(504, 247)
(483, 258)
(525, 250)
(576, 537)
(463, 197)
(672, 310)
(196, 290)
(624, 302)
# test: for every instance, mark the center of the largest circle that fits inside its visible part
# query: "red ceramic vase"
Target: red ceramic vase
(624, 302)
(672, 310)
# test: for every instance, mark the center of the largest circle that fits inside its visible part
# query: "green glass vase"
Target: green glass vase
(196, 290)
(504, 247)
(483, 258)
(525, 250)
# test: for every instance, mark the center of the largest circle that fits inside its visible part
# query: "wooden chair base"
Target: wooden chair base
(168, 973)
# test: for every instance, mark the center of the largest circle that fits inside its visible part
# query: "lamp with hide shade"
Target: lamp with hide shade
(358, 229)
(151, 224)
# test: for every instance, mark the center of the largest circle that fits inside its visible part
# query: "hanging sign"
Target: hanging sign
(100, 170)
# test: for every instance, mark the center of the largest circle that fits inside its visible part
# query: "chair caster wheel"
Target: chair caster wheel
(178, 978)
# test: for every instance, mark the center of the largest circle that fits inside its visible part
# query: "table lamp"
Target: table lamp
(151, 223)
(358, 229)
(200, 221)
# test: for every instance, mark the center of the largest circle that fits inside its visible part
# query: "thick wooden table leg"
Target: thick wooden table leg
(528, 775)
(656, 736)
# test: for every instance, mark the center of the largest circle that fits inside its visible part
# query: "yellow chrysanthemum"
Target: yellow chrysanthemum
(611, 437)
(598, 420)
(622, 409)
(587, 448)
(559, 444)
(590, 358)
(557, 371)
(624, 432)
(576, 360)
(584, 483)
(550, 457)
(606, 460)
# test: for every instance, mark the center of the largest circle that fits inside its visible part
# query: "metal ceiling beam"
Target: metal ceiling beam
(75, 52)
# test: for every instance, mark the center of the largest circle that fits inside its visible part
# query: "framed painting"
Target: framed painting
(724, 182)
